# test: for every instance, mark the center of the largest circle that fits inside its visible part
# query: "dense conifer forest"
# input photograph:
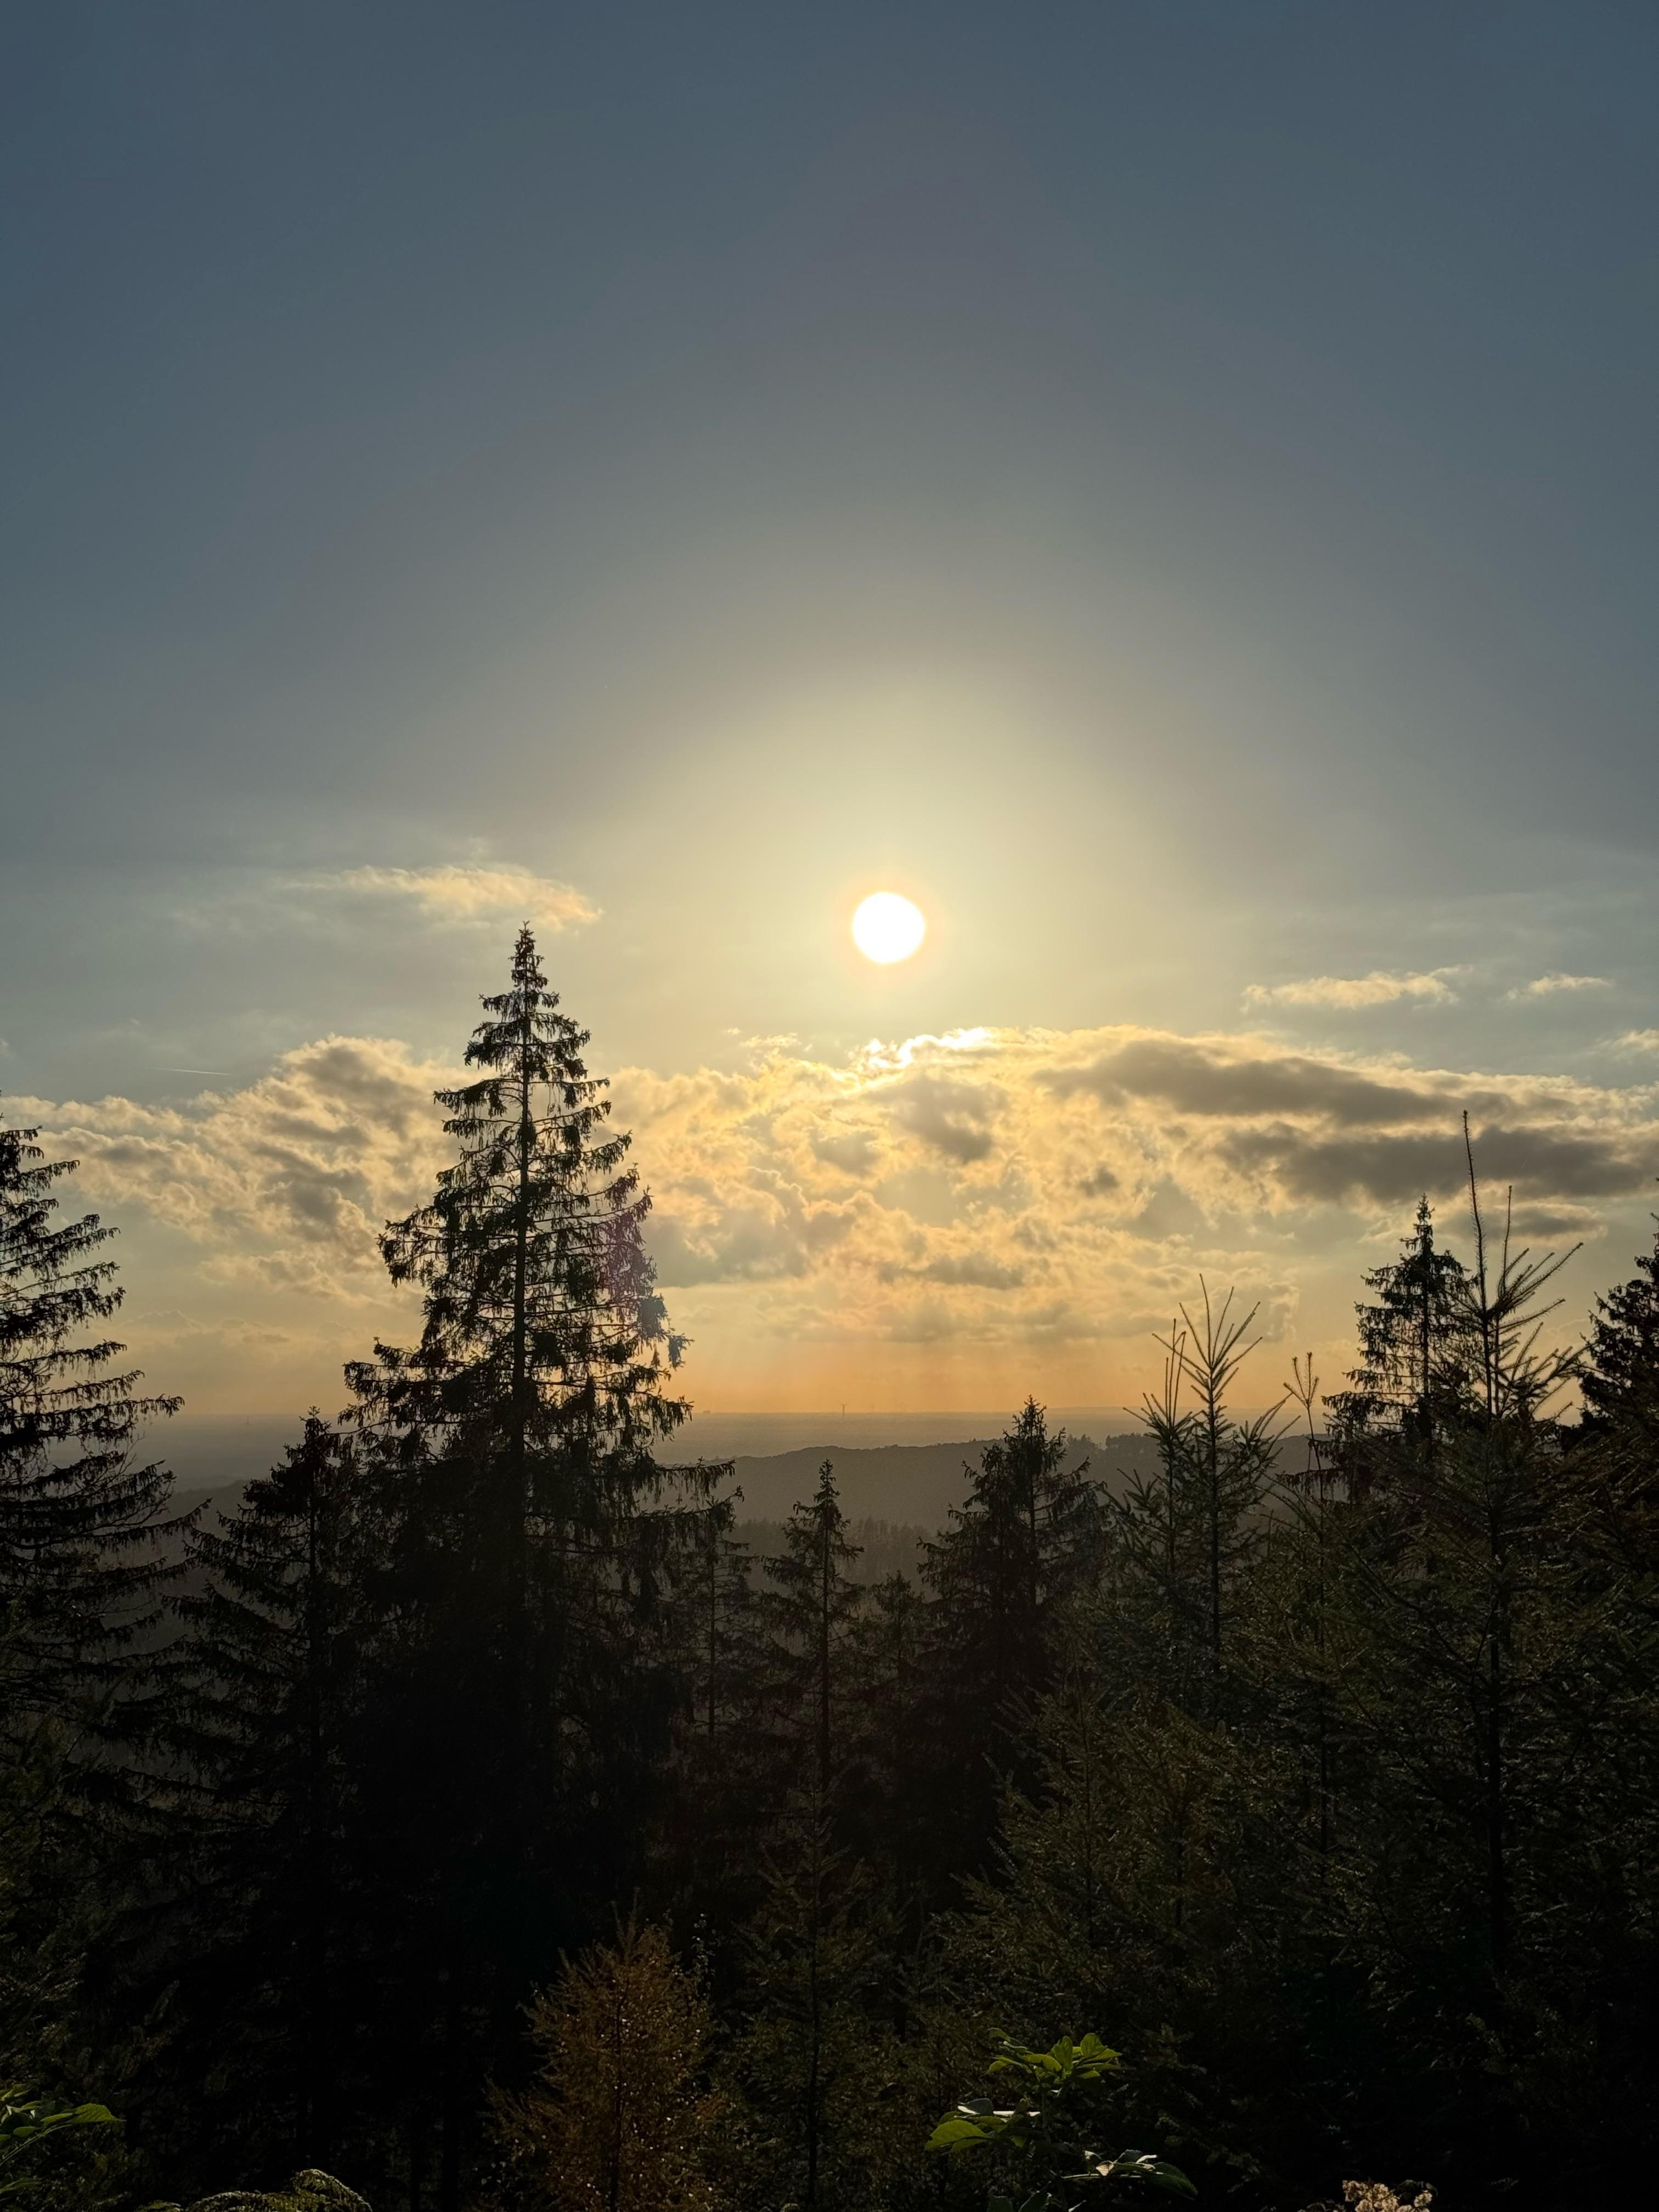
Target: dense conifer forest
(483, 1815)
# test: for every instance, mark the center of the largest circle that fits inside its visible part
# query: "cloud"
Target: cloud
(1637, 1040)
(1547, 987)
(1346, 993)
(1000, 1191)
(1231, 1079)
(977, 1269)
(473, 895)
(949, 1114)
(290, 1178)
(1168, 1213)
(1391, 1169)
(1086, 1174)
(854, 1151)
(1557, 1222)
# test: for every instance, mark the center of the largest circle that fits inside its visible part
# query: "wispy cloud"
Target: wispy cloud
(473, 895)
(1546, 987)
(1346, 993)
(1637, 1040)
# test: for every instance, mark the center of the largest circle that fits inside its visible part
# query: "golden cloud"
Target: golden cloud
(466, 895)
(289, 1180)
(1027, 1188)
(1349, 992)
(1548, 986)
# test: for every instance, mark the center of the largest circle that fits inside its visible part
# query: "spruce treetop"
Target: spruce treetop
(543, 1327)
(51, 1289)
(79, 1521)
(1620, 1377)
(1418, 1355)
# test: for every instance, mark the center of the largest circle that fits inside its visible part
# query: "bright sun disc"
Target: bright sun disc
(887, 927)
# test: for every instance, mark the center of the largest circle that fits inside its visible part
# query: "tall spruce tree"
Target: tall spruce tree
(546, 1355)
(707, 1844)
(814, 2044)
(89, 1549)
(528, 1416)
(1467, 1623)
(1000, 1578)
(1020, 1546)
(1418, 1356)
(813, 1613)
(84, 1523)
(526, 1690)
(811, 1959)
(1619, 1371)
(719, 1629)
(891, 1803)
(1606, 1890)
(279, 1635)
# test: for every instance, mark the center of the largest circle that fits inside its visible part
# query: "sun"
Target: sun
(888, 928)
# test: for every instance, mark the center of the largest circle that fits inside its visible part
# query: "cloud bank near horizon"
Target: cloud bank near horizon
(1031, 1199)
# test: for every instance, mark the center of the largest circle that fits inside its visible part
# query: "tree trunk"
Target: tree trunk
(315, 2147)
(825, 1570)
(449, 2157)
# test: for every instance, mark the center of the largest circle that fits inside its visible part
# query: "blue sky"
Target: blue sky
(1170, 487)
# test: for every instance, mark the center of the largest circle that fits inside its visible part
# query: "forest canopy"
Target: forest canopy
(468, 1815)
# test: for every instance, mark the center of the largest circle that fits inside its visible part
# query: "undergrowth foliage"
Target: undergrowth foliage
(618, 2117)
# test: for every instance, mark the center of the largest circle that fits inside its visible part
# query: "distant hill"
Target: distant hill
(911, 1485)
(915, 1484)
(207, 1451)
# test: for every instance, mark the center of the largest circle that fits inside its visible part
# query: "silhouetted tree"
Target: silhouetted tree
(279, 1638)
(43, 1934)
(721, 1625)
(1618, 1373)
(1418, 1355)
(83, 1580)
(539, 1379)
(527, 1671)
(1231, 1460)
(811, 2049)
(1156, 1526)
(1467, 1625)
(1184, 1539)
(88, 1553)
(1000, 1578)
(710, 1817)
(811, 1614)
(891, 1806)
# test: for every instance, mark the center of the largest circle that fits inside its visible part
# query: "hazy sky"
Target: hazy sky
(1171, 487)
